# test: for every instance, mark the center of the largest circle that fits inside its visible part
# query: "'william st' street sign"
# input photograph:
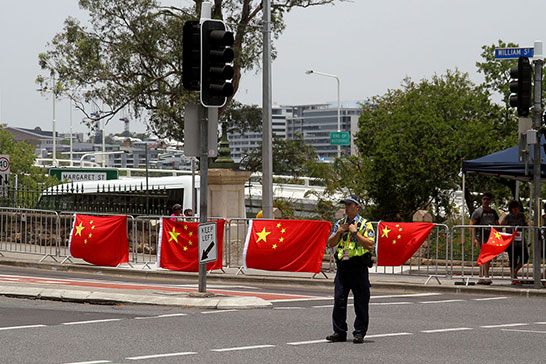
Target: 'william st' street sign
(509, 53)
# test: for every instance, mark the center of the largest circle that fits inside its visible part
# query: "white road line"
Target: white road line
(408, 295)
(89, 322)
(21, 327)
(323, 306)
(489, 298)
(91, 362)
(532, 331)
(442, 301)
(218, 311)
(539, 323)
(288, 308)
(244, 348)
(388, 335)
(307, 342)
(154, 356)
(390, 303)
(503, 325)
(447, 330)
(160, 316)
(301, 299)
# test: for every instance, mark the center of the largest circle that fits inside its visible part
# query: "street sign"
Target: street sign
(340, 138)
(4, 175)
(81, 174)
(510, 53)
(208, 249)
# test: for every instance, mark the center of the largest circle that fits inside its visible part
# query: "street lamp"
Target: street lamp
(309, 72)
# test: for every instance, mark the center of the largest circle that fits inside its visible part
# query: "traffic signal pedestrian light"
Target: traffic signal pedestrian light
(191, 55)
(521, 85)
(216, 56)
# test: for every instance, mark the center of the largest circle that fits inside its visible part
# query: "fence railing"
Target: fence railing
(447, 252)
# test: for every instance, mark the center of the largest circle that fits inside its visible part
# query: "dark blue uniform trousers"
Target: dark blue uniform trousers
(352, 275)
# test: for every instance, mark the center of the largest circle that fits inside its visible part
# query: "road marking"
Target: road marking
(532, 331)
(447, 330)
(154, 356)
(308, 298)
(91, 362)
(442, 301)
(89, 322)
(490, 298)
(323, 306)
(540, 323)
(307, 342)
(408, 295)
(21, 327)
(219, 311)
(288, 308)
(390, 303)
(161, 316)
(244, 348)
(503, 325)
(388, 335)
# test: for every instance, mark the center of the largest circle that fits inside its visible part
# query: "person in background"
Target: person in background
(483, 215)
(188, 212)
(177, 212)
(354, 237)
(518, 253)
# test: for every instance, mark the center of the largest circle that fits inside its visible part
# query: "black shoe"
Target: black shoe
(358, 339)
(336, 337)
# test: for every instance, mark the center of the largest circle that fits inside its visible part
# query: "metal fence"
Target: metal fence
(447, 252)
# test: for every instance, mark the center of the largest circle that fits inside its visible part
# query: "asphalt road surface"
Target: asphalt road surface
(404, 328)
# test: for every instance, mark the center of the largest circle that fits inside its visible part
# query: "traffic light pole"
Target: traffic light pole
(537, 124)
(203, 184)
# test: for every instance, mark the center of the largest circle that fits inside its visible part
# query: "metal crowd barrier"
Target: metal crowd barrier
(29, 231)
(465, 253)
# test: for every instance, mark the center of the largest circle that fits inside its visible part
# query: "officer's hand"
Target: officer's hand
(352, 228)
(344, 227)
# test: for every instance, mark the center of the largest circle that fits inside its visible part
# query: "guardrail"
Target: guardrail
(446, 252)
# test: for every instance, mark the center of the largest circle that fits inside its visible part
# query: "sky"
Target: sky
(370, 45)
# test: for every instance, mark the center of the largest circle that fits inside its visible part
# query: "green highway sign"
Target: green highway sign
(84, 174)
(340, 138)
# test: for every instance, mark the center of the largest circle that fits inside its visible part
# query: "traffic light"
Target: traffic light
(521, 86)
(216, 72)
(191, 55)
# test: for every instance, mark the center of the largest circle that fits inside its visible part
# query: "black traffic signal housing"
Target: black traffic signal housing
(216, 56)
(191, 55)
(521, 86)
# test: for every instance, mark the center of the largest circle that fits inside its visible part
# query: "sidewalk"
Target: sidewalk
(144, 293)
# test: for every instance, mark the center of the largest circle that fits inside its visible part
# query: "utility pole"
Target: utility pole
(537, 125)
(267, 148)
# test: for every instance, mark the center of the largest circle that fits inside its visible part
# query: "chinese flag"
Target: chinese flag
(100, 240)
(286, 245)
(179, 246)
(496, 244)
(397, 241)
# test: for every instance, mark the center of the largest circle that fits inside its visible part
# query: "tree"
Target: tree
(130, 55)
(412, 142)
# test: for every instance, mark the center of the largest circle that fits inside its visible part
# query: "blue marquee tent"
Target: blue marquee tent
(506, 164)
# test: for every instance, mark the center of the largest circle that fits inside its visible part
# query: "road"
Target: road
(405, 328)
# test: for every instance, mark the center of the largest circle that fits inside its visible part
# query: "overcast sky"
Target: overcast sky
(370, 45)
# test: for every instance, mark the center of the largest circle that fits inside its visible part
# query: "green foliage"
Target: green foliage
(130, 56)
(412, 142)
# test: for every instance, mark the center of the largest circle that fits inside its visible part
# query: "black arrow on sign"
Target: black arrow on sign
(207, 251)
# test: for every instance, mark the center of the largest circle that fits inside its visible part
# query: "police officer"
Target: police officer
(354, 237)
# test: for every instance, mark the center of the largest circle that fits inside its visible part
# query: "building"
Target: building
(314, 122)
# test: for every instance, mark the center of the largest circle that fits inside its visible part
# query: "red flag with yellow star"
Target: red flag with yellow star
(286, 245)
(397, 241)
(496, 244)
(100, 240)
(179, 246)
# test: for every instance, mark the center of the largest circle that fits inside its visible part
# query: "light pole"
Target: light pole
(54, 125)
(309, 72)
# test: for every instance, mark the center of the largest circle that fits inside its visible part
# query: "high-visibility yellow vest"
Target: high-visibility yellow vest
(351, 244)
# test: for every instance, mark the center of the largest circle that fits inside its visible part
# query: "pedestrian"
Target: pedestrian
(518, 254)
(355, 238)
(483, 215)
(188, 212)
(177, 212)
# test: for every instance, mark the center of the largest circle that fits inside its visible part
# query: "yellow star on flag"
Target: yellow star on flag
(173, 235)
(281, 240)
(497, 235)
(79, 229)
(385, 232)
(274, 246)
(283, 231)
(262, 235)
(279, 225)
